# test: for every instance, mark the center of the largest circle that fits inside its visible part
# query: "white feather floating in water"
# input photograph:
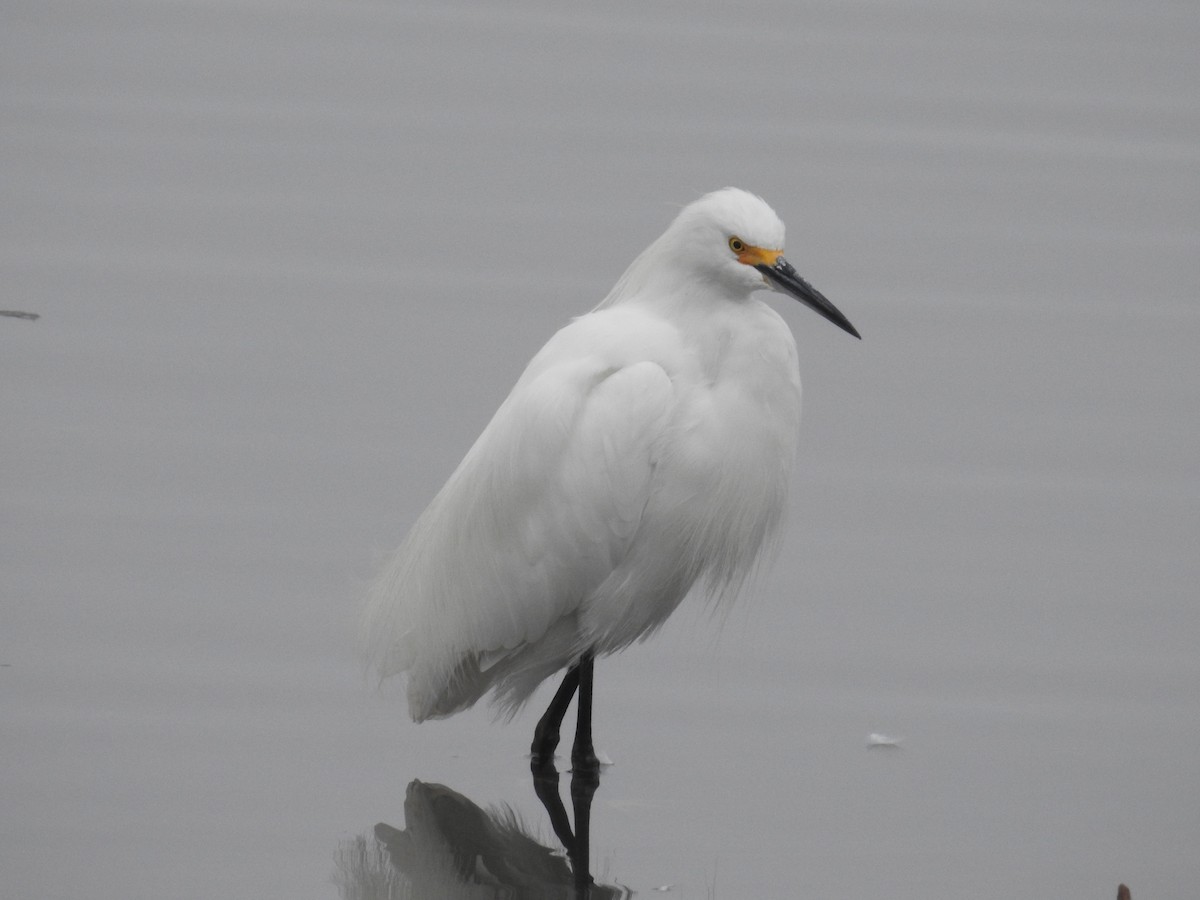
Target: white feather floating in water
(875, 739)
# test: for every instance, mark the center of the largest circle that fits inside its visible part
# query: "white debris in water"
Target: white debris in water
(875, 739)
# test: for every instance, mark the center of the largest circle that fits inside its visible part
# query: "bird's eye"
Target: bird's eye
(736, 244)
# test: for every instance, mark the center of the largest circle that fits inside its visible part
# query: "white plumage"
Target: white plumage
(645, 450)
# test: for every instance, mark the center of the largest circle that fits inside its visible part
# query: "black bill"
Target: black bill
(783, 277)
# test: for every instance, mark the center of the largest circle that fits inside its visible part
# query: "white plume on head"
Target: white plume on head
(694, 246)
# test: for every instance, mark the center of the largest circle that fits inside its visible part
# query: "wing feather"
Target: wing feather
(490, 580)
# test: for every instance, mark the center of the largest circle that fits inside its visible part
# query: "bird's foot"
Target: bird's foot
(584, 762)
(541, 751)
(542, 766)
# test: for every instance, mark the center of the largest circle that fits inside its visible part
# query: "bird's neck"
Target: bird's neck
(677, 293)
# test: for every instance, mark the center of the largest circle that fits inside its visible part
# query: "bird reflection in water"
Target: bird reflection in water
(451, 849)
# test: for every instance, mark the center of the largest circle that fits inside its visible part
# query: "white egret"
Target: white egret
(645, 450)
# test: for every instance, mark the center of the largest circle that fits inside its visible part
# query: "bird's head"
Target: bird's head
(735, 238)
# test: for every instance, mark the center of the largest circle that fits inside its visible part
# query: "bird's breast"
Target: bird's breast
(727, 460)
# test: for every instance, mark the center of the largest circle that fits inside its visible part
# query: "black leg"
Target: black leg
(577, 841)
(583, 755)
(583, 787)
(545, 785)
(545, 735)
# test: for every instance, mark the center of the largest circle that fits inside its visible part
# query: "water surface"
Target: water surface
(289, 257)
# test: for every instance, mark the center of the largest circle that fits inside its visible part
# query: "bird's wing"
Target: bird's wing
(541, 510)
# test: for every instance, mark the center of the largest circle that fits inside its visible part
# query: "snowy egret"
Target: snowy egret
(646, 449)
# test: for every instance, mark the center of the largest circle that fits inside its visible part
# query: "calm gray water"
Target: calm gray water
(288, 257)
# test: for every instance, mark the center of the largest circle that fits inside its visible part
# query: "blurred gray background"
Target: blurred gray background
(289, 257)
